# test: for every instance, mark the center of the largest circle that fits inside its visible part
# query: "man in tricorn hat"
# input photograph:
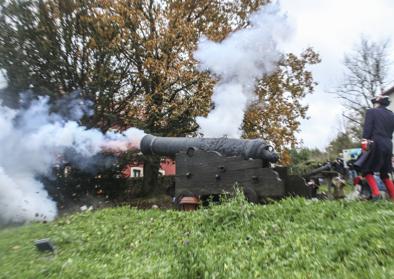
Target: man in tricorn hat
(378, 131)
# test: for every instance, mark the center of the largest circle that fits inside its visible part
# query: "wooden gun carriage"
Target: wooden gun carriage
(212, 166)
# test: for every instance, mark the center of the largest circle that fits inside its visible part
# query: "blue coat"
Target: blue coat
(379, 127)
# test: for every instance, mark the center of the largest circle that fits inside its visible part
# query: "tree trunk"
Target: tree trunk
(151, 175)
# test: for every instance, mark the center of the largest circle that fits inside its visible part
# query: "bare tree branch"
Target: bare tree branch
(367, 67)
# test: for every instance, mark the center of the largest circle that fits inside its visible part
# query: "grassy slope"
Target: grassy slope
(288, 239)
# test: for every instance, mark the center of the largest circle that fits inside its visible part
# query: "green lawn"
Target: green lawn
(294, 238)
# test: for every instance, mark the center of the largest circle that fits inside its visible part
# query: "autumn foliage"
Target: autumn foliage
(275, 115)
(134, 60)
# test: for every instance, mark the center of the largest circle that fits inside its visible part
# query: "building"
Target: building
(167, 167)
(390, 93)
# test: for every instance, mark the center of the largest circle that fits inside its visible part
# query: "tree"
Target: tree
(276, 114)
(342, 141)
(365, 77)
(304, 160)
(161, 37)
(134, 60)
(58, 46)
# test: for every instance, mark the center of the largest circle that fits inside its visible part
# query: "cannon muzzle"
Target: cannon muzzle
(169, 146)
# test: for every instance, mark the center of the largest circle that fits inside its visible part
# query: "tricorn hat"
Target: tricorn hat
(381, 99)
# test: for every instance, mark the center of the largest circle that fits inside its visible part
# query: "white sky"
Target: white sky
(332, 28)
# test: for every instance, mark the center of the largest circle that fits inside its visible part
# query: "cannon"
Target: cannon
(212, 166)
(248, 149)
(332, 172)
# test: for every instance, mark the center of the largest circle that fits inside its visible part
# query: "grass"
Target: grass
(293, 238)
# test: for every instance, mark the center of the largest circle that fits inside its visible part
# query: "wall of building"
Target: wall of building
(391, 106)
(390, 93)
(167, 167)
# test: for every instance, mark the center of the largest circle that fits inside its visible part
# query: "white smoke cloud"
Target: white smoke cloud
(31, 142)
(239, 60)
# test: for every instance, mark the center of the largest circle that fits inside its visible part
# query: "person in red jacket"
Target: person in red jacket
(378, 131)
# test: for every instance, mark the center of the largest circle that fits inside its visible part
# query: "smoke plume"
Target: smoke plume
(238, 61)
(32, 141)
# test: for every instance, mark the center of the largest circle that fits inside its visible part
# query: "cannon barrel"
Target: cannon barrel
(169, 146)
(325, 167)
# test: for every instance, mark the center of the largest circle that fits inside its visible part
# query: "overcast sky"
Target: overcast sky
(332, 28)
